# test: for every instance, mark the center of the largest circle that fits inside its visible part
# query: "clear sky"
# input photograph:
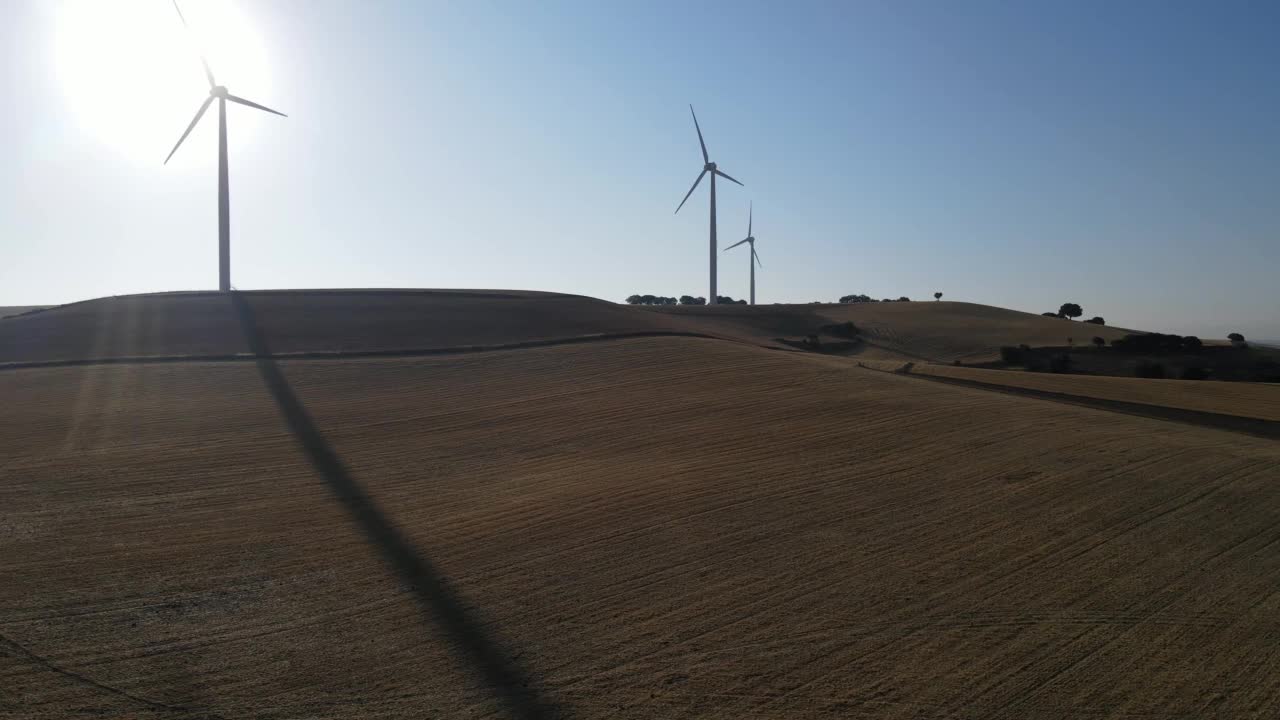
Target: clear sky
(1121, 155)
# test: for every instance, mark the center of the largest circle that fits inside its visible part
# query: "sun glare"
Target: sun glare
(132, 74)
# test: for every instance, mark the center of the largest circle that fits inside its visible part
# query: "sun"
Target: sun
(131, 74)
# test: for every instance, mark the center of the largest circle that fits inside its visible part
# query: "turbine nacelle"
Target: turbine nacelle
(709, 167)
(219, 91)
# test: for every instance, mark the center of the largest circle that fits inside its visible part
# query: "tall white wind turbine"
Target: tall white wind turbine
(219, 93)
(707, 167)
(754, 260)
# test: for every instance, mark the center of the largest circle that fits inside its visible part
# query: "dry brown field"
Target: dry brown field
(652, 526)
(1259, 401)
(940, 331)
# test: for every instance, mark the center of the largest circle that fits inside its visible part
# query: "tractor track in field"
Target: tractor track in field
(357, 354)
(1201, 418)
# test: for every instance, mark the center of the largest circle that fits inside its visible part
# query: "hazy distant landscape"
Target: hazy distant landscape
(18, 309)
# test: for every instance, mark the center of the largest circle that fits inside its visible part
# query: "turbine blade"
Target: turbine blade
(726, 177)
(750, 208)
(207, 72)
(242, 101)
(695, 187)
(757, 257)
(194, 120)
(735, 244)
(705, 158)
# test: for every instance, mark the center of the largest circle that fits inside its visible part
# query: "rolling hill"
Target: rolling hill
(351, 321)
(621, 519)
(354, 321)
(938, 331)
(11, 310)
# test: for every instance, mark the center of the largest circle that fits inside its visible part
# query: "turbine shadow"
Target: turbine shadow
(438, 601)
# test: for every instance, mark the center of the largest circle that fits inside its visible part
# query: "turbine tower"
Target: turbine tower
(707, 167)
(218, 92)
(754, 259)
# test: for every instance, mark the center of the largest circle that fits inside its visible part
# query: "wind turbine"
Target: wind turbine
(707, 167)
(218, 92)
(754, 259)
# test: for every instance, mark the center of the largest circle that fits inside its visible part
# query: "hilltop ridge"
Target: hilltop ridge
(362, 321)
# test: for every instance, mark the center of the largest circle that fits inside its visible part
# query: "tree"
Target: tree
(904, 298)
(1192, 343)
(635, 300)
(1099, 342)
(1149, 369)
(937, 296)
(1236, 338)
(1070, 310)
(1096, 320)
(1150, 343)
(691, 300)
(1195, 373)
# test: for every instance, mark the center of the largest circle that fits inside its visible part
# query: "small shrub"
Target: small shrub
(1099, 342)
(1051, 314)
(1149, 369)
(1195, 373)
(1096, 320)
(1236, 338)
(1010, 355)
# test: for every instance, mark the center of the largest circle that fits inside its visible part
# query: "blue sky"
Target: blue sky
(1123, 156)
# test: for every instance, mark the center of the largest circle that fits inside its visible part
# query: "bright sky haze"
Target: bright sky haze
(1122, 156)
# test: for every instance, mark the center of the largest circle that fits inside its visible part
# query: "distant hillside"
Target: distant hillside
(294, 321)
(939, 331)
(11, 310)
(210, 323)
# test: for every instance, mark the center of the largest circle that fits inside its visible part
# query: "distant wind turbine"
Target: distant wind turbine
(708, 167)
(224, 201)
(754, 259)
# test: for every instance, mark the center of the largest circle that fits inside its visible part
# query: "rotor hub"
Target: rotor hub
(219, 91)
(709, 167)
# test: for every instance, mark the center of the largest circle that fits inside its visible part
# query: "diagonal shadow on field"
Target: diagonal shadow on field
(438, 601)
